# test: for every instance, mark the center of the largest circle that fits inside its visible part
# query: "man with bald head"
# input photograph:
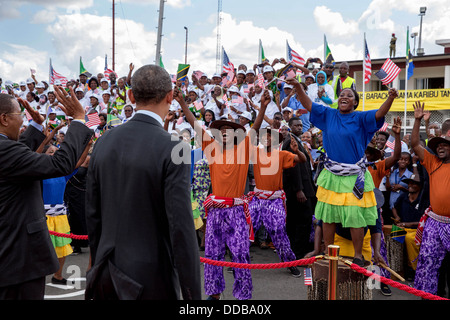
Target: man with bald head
(142, 237)
(27, 254)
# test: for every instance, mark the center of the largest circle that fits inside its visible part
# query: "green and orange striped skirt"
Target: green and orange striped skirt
(336, 202)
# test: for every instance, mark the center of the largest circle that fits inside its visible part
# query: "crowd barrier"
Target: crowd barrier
(332, 256)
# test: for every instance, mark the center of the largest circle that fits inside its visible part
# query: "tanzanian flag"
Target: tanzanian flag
(409, 57)
(83, 70)
(328, 56)
(398, 234)
(113, 121)
(161, 64)
(284, 71)
(262, 57)
(182, 72)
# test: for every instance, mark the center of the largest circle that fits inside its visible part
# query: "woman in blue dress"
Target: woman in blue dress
(345, 188)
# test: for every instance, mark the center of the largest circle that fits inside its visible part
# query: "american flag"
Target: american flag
(388, 72)
(261, 80)
(293, 56)
(367, 64)
(227, 66)
(54, 76)
(198, 104)
(107, 72)
(237, 99)
(384, 127)
(92, 120)
(308, 277)
(390, 143)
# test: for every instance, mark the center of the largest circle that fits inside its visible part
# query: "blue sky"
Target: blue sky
(35, 31)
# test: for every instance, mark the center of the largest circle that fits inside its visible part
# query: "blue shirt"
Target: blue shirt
(345, 136)
(294, 104)
(53, 189)
(395, 178)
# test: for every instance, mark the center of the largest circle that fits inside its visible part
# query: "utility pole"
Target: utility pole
(113, 36)
(219, 45)
(160, 24)
(185, 50)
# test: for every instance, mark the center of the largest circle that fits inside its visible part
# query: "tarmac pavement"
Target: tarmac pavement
(268, 284)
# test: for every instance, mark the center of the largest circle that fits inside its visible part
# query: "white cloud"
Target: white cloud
(10, 9)
(240, 40)
(44, 16)
(89, 36)
(16, 61)
(172, 3)
(333, 23)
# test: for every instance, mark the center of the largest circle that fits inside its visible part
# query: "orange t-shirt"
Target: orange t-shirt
(228, 170)
(268, 167)
(378, 175)
(439, 184)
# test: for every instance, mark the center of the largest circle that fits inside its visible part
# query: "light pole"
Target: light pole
(420, 51)
(414, 35)
(185, 50)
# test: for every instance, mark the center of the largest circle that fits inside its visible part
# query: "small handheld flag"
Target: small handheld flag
(92, 120)
(308, 277)
(182, 71)
(293, 56)
(398, 234)
(388, 72)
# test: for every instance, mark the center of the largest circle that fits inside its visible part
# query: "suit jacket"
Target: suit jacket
(26, 251)
(300, 176)
(139, 215)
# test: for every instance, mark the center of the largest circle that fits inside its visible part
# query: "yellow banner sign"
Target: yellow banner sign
(435, 99)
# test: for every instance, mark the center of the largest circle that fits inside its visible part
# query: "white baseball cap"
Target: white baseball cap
(246, 115)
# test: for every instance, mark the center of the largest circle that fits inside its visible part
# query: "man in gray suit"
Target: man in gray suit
(138, 205)
(26, 251)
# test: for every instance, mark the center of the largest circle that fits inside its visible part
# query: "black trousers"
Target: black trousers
(298, 225)
(30, 290)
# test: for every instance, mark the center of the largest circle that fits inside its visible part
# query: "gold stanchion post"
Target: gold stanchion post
(333, 256)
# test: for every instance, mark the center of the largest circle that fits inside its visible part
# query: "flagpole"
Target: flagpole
(364, 72)
(406, 79)
(259, 52)
(50, 71)
(287, 54)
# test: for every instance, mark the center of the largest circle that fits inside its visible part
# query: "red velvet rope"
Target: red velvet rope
(294, 263)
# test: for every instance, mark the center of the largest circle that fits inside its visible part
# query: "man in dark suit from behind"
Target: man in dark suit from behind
(138, 206)
(26, 251)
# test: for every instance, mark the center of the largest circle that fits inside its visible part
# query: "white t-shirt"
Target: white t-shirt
(312, 93)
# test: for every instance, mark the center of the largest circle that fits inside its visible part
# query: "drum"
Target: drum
(395, 251)
(350, 285)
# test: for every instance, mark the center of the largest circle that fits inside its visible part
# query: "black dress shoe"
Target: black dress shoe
(59, 281)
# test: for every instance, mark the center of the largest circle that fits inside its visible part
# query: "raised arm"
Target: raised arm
(265, 100)
(386, 106)
(299, 156)
(396, 129)
(178, 96)
(301, 94)
(415, 135)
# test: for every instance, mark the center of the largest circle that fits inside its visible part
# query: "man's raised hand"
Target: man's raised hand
(35, 115)
(69, 103)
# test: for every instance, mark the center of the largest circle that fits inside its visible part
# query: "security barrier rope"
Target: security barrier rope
(301, 262)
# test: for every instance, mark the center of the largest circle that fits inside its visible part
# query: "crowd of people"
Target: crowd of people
(282, 160)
